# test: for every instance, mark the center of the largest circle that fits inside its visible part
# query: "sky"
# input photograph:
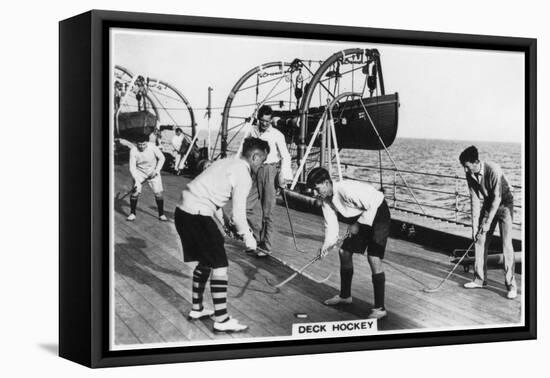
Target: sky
(445, 93)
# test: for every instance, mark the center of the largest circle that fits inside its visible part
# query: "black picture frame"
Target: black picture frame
(84, 166)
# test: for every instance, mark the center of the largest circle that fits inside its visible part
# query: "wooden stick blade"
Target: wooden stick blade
(433, 290)
(282, 283)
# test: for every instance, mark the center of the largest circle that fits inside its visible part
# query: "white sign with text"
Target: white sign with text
(336, 329)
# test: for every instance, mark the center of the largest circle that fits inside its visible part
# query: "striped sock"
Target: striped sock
(200, 276)
(218, 287)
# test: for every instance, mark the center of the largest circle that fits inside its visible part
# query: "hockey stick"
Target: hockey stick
(290, 221)
(131, 190)
(434, 289)
(231, 235)
(301, 271)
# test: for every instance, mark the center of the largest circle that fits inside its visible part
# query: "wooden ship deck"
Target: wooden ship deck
(152, 285)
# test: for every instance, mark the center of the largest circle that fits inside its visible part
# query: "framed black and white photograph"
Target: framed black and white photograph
(261, 188)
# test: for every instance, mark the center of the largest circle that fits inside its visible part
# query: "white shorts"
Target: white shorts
(155, 183)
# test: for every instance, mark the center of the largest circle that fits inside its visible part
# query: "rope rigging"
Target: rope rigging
(188, 138)
(390, 157)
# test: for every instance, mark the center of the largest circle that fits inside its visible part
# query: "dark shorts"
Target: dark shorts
(201, 239)
(371, 239)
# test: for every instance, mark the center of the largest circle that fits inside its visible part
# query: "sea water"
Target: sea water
(438, 175)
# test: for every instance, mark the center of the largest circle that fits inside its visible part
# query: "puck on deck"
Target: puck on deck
(301, 315)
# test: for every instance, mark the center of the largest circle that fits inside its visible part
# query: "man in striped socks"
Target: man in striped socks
(201, 238)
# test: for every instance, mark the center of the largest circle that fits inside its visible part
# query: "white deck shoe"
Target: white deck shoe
(196, 315)
(512, 293)
(163, 218)
(231, 325)
(473, 285)
(337, 300)
(377, 313)
(131, 217)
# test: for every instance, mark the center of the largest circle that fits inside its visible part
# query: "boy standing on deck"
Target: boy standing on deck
(146, 161)
(201, 238)
(275, 172)
(487, 182)
(370, 232)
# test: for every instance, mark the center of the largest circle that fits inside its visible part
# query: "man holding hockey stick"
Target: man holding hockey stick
(370, 232)
(487, 182)
(201, 238)
(146, 161)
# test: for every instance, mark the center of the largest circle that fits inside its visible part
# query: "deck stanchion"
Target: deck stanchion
(394, 188)
(303, 158)
(283, 190)
(335, 141)
(456, 198)
(381, 178)
(329, 140)
(323, 152)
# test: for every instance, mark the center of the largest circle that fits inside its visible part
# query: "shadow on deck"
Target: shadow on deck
(152, 288)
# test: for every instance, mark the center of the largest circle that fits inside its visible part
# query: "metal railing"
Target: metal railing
(460, 209)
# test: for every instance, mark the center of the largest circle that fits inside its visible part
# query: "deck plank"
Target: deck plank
(181, 283)
(163, 302)
(144, 302)
(124, 335)
(153, 285)
(135, 321)
(155, 280)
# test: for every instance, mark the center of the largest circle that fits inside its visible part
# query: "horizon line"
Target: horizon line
(200, 129)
